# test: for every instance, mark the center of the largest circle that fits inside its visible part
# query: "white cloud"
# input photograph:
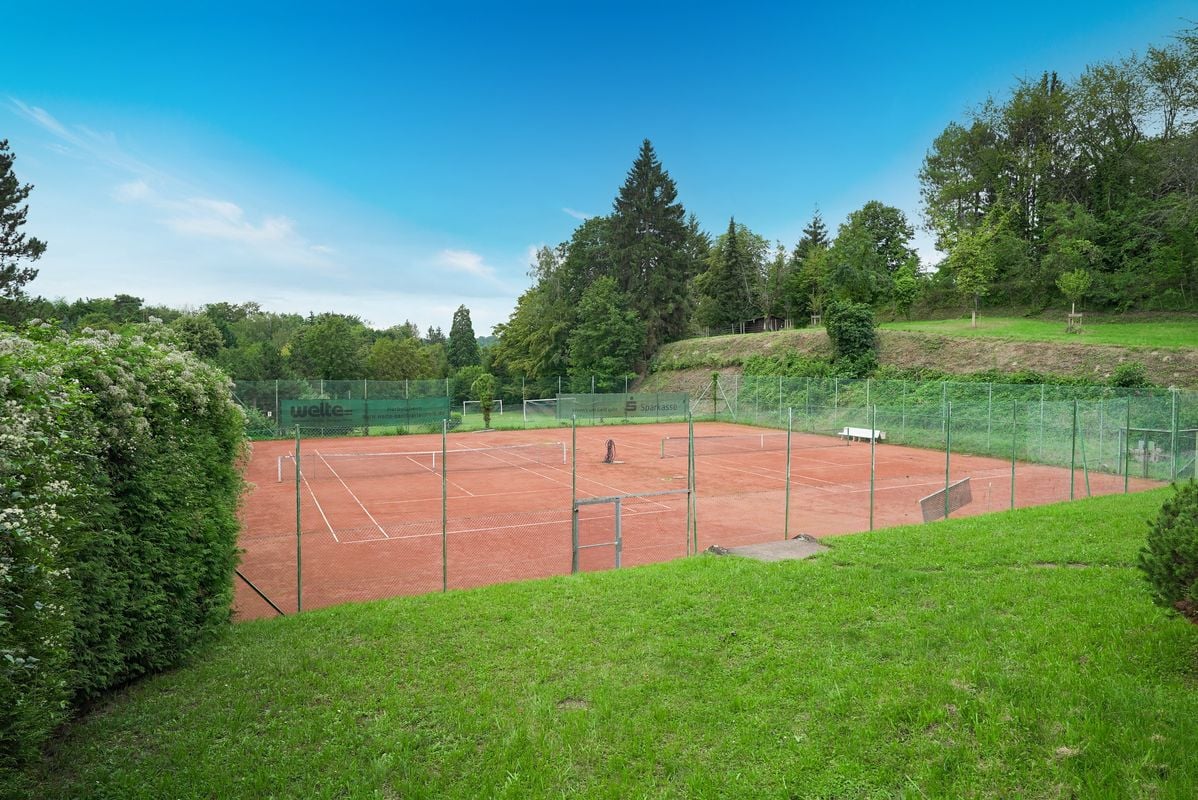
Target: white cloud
(133, 192)
(467, 262)
(43, 118)
(176, 235)
(582, 215)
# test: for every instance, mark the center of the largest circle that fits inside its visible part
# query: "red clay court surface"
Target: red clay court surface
(368, 534)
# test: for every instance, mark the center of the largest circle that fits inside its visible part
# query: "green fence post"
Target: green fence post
(1014, 446)
(1173, 437)
(810, 423)
(573, 493)
(299, 537)
(1127, 447)
(786, 503)
(1040, 446)
(1073, 450)
(444, 508)
(989, 413)
(694, 483)
(948, 448)
(873, 439)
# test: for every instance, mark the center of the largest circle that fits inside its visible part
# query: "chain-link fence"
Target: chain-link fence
(331, 520)
(1092, 427)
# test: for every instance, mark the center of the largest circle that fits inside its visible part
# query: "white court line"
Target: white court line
(351, 494)
(438, 496)
(492, 528)
(319, 508)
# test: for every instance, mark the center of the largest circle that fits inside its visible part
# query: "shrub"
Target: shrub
(118, 526)
(1169, 559)
(1130, 375)
(852, 331)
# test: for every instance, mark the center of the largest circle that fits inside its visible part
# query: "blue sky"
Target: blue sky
(396, 160)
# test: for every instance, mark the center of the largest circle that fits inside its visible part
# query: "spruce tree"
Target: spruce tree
(463, 346)
(815, 235)
(727, 288)
(652, 254)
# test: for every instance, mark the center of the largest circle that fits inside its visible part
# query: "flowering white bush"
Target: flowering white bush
(118, 495)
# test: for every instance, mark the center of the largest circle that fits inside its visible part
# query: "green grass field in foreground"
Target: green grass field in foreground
(1164, 333)
(1014, 655)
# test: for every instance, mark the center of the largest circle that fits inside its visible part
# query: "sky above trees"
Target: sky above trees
(395, 163)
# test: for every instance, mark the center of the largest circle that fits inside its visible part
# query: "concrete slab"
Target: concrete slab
(790, 549)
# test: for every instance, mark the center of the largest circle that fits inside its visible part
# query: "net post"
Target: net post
(573, 493)
(299, 538)
(786, 506)
(444, 508)
(1073, 450)
(278, 422)
(948, 449)
(873, 444)
(366, 406)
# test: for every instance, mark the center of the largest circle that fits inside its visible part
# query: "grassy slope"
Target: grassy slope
(964, 659)
(1172, 333)
(1168, 349)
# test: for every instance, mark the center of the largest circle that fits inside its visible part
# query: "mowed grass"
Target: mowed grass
(1014, 655)
(1172, 333)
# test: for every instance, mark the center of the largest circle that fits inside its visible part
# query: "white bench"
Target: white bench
(863, 434)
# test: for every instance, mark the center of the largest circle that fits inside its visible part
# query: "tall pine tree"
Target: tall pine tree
(463, 347)
(653, 257)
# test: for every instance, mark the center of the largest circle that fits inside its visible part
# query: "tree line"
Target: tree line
(1082, 191)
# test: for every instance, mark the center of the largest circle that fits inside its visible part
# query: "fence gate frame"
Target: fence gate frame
(616, 500)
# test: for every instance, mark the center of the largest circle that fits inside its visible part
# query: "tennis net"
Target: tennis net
(339, 466)
(673, 447)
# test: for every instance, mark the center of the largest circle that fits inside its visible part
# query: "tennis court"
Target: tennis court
(385, 516)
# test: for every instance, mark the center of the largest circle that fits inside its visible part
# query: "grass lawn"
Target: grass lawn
(1164, 333)
(1015, 655)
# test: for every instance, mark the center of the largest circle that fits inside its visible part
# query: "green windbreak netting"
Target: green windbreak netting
(319, 413)
(622, 406)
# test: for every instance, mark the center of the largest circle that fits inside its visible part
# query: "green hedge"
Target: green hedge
(119, 486)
